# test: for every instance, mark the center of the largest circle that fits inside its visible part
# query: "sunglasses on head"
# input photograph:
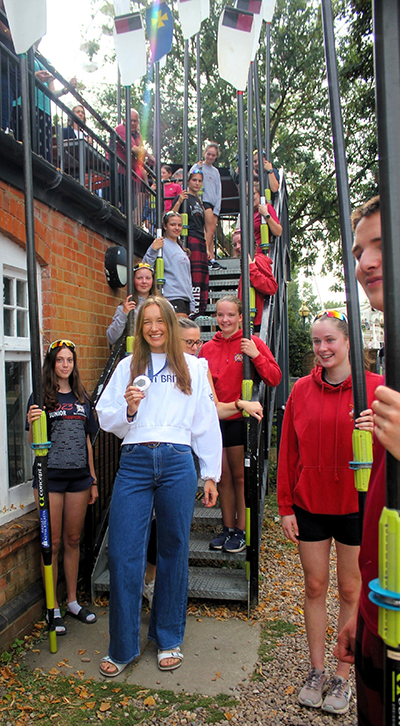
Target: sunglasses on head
(196, 171)
(60, 343)
(143, 266)
(331, 314)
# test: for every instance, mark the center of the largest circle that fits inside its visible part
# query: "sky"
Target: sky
(68, 25)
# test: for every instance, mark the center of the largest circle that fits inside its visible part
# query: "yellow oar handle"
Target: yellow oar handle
(363, 456)
(185, 225)
(267, 195)
(385, 592)
(39, 435)
(129, 343)
(253, 309)
(264, 242)
(247, 390)
(160, 272)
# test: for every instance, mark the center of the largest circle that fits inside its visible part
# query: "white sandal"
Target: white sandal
(119, 667)
(164, 654)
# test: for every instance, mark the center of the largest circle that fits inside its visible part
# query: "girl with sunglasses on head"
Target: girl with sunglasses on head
(178, 283)
(170, 187)
(144, 284)
(71, 475)
(212, 193)
(196, 240)
(317, 498)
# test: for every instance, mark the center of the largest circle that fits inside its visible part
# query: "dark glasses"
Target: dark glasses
(193, 343)
(331, 314)
(196, 171)
(60, 343)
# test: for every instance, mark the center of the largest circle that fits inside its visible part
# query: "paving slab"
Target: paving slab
(219, 654)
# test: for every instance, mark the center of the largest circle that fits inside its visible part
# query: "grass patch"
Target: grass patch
(27, 697)
(272, 632)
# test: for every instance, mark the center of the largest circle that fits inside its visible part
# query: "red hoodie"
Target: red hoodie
(263, 281)
(316, 446)
(225, 360)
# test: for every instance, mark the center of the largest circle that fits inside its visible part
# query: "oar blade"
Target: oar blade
(130, 47)
(27, 22)
(235, 46)
(268, 9)
(190, 15)
(255, 7)
(205, 9)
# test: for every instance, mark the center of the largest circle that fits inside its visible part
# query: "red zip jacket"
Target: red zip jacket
(263, 281)
(225, 360)
(316, 446)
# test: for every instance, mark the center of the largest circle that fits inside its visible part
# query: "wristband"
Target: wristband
(238, 408)
(270, 171)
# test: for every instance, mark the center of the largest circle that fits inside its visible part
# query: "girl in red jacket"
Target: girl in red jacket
(224, 354)
(317, 497)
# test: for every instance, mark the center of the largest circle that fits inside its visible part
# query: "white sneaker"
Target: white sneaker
(148, 591)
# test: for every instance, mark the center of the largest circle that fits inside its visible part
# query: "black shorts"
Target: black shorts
(344, 528)
(233, 432)
(181, 306)
(71, 485)
(208, 205)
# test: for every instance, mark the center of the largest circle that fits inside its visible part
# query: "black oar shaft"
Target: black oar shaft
(129, 202)
(157, 144)
(258, 128)
(244, 231)
(185, 131)
(250, 169)
(267, 89)
(198, 93)
(353, 308)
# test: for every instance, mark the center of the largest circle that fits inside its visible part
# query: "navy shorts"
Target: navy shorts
(233, 432)
(344, 528)
(71, 485)
(181, 306)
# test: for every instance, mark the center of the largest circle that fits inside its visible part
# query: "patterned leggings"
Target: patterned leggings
(199, 271)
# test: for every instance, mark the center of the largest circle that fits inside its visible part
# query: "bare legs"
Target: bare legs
(211, 220)
(315, 562)
(231, 488)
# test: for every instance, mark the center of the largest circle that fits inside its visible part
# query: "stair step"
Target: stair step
(217, 583)
(199, 549)
(203, 515)
(102, 583)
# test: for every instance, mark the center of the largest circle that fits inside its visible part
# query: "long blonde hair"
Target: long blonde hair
(175, 357)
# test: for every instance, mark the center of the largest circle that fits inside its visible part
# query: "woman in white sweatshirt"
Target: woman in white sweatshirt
(159, 426)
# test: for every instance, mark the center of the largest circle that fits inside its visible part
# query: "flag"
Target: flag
(27, 22)
(235, 46)
(190, 15)
(130, 47)
(160, 26)
(255, 7)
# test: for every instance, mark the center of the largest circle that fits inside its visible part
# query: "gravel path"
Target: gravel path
(271, 697)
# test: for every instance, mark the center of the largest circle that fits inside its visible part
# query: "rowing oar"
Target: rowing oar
(235, 45)
(386, 590)
(130, 47)
(362, 440)
(27, 25)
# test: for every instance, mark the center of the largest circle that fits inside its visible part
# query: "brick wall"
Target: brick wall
(19, 556)
(77, 301)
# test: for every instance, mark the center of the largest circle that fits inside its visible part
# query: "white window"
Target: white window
(16, 496)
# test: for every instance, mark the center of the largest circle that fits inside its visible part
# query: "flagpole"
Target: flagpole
(159, 197)
(185, 216)
(362, 440)
(129, 210)
(118, 96)
(39, 427)
(199, 152)
(386, 590)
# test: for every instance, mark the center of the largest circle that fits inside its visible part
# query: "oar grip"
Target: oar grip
(39, 435)
(385, 592)
(247, 390)
(160, 272)
(363, 456)
(185, 225)
(129, 343)
(264, 242)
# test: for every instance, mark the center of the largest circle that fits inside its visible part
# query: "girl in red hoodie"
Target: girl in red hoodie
(224, 354)
(317, 497)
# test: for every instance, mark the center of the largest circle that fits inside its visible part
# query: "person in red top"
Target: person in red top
(261, 278)
(317, 498)
(268, 213)
(224, 354)
(171, 188)
(359, 640)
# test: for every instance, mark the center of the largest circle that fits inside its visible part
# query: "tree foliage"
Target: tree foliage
(301, 137)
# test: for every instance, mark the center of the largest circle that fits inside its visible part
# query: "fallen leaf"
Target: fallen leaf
(35, 650)
(81, 652)
(90, 704)
(149, 701)
(54, 672)
(105, 706)
(228, 715)
(115, 690)
(289, 690)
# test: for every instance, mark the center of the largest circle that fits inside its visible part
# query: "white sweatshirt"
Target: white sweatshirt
(166, 414)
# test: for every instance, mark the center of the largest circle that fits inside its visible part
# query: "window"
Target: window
(16, 493)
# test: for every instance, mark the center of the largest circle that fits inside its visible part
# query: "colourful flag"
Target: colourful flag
(235, 45)
(130, 47)
(160, 26)
(27, 22)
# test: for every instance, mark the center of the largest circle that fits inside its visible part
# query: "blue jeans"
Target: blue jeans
(163, 477)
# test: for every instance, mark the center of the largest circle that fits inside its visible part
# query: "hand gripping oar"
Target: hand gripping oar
(386, 592)
(235, 44)
(362, 440)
